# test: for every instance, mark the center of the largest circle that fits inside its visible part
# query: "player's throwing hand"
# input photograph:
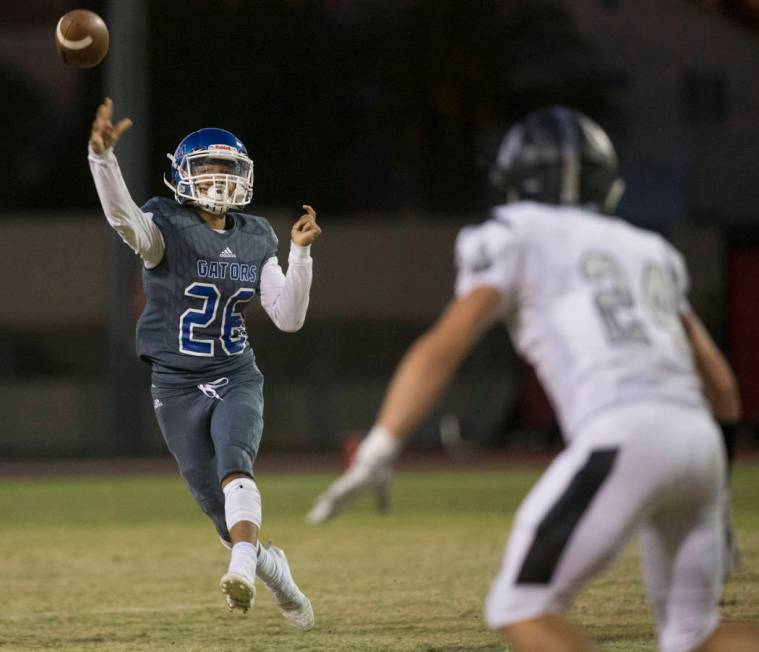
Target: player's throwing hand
(103, 134)
(305, 230)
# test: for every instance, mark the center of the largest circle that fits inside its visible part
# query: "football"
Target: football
(81, 37)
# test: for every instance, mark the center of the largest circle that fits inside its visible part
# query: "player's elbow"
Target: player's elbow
(291, 327)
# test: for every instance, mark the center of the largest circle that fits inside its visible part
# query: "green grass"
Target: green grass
(123, 564)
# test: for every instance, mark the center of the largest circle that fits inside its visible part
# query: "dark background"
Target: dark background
(383, 115)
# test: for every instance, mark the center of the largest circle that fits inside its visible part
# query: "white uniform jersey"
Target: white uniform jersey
(593, 303)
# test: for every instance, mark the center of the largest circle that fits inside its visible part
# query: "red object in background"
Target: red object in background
(350, 446)
(743, 323)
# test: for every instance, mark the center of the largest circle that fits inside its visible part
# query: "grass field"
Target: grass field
(129, 563)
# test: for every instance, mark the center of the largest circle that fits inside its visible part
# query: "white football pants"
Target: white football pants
(652, 467)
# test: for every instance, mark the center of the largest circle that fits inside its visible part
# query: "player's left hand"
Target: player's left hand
(371, 469)
(305, 230)
(359, 478)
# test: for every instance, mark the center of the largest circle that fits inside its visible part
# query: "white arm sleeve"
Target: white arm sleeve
(135, 227)
(285, 297)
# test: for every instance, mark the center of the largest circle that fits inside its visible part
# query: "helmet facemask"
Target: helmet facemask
(216, 179)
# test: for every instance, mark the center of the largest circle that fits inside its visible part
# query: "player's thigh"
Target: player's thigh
(681, 546)
(682, 570)
(184, 418)
(572, 524)
(237, 425)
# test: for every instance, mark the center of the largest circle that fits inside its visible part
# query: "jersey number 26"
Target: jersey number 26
(233, 337)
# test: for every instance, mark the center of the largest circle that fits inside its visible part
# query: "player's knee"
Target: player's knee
(242, 502)
(507, 605)
(234, 460)
(216, 512)
(207, 494)
(202, 486)
(498, 617)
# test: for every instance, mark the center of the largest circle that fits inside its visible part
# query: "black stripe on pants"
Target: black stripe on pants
(556, 528)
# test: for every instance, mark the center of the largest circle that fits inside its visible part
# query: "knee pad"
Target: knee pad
(242, 502)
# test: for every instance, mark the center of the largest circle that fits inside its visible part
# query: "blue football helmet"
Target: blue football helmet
(558, 155)
(211, 169)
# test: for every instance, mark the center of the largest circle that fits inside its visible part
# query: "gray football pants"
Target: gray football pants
(212, 429)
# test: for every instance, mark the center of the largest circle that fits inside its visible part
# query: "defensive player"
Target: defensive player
(599, 308)
(203, 261)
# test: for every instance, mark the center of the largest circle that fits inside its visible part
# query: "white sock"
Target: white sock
(266, 566)
(243, 560)
(275, 578)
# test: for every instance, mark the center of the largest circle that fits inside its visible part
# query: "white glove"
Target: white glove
(372, 468)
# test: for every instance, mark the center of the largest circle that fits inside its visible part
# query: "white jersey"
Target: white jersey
(593, 303)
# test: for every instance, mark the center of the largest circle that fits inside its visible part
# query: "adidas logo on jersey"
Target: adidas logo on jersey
(227, 253)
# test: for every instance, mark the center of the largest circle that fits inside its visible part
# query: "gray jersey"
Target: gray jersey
(192, 326)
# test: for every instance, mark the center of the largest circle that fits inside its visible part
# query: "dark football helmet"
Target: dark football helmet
(557, 155)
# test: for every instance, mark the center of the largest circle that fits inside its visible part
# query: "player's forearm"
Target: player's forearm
(135, 228)
(419, 382)
(719, 387)
(724, 401)
(285, 297)
(719, 384)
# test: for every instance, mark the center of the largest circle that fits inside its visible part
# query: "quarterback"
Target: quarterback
(203, 261)
(599, 308)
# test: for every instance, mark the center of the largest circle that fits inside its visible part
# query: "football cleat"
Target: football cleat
(240, 593)
(293, 604)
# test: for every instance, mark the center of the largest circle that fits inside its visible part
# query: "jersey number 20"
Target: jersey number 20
(616, 304)
(233, 336)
